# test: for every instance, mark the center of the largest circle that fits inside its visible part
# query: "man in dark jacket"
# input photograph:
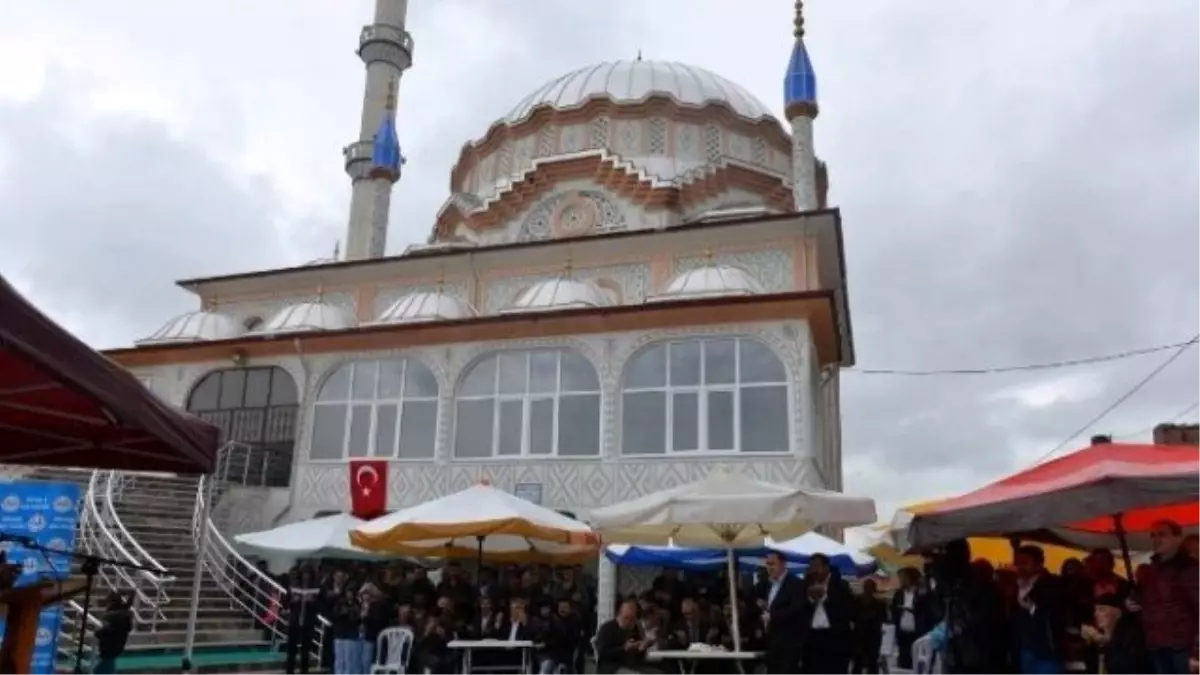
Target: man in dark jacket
(911, 615)
(783, 617)
(112, 636)
(620, 643)
(828, 619)
(1039, 619)
(973, 611)
(1168, 600)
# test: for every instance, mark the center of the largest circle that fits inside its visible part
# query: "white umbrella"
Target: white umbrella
(325, 537)
(729, 510)
(484, 522)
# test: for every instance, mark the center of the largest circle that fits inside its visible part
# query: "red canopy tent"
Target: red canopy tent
(1093, 498)
(63, 404)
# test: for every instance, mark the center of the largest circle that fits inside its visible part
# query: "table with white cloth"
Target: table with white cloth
(467, 647)
(688, 660)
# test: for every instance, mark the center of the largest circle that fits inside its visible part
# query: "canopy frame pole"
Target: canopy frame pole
(735, 619)
(1123, 541)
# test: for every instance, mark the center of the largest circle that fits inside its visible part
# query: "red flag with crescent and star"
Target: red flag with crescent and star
(368, 487)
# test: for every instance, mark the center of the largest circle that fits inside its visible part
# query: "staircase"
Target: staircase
(150, 520)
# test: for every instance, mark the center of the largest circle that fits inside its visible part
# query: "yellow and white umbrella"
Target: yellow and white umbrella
(480, 522)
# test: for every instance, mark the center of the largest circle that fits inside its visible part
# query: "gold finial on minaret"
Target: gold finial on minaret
(441, 281)
(710, 254)
(567, 266)
(639, 55)
(320, 291)
(337, 249)
(799, 21)
(210, 304)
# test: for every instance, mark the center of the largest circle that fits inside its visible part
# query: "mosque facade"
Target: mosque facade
(635, 278)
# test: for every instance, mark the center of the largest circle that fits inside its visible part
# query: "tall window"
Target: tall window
(256, 408)
(529, 403)
(705, 395)
(384, 408)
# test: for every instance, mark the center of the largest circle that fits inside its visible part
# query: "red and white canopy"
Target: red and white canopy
(1071, 500)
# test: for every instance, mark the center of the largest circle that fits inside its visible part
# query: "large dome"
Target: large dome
(635, 81)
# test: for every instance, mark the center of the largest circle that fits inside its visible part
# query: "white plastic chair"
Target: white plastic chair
(393, 648)
(923, 656)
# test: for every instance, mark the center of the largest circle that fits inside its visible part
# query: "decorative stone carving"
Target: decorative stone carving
(572, 213)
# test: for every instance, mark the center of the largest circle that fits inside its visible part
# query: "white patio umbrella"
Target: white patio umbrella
(325, 537)
(480, 522)
(728, 510)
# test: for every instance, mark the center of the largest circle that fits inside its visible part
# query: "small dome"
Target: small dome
(304, 316)
(426, 306)
(636, 81)
(710, 281)
(195, 327)
(559, 293)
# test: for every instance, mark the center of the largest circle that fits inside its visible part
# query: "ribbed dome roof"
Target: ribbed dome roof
(710, 280)
(635, 81)
(426, 306)
(559, 293)
(195, 327)
(304, 316)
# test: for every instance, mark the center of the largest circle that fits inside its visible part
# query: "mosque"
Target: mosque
(634, 279)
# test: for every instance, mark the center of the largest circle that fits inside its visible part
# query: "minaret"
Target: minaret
(374, 160)
(800, 106)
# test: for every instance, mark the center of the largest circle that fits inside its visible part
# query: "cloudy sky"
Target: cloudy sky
(1018, 180)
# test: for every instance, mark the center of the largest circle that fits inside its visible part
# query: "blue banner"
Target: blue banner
(46, 513)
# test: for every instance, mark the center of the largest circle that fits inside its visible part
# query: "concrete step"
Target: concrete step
(247, 637)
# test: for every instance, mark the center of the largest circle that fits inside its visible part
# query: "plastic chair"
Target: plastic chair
(393, 647)
(887, 649)
(923, 655)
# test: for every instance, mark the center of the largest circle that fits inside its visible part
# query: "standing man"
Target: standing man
(783, 618)
(911, 615)
(1168, 600)
(829, 610)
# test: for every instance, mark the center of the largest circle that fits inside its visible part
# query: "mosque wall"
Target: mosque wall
(627, 278)
(569, 482)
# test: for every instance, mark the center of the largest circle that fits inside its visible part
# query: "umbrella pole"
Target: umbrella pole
(731, 566)
(479, 577)
(1119, 528)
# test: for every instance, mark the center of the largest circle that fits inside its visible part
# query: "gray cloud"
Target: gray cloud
(1018, 181)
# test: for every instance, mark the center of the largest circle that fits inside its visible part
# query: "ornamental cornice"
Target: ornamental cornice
(618, 178)
(546, 115)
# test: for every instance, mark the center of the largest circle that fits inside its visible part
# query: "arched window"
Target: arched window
(256, 408)
(385, 408)
(528, 403)
(702, 395)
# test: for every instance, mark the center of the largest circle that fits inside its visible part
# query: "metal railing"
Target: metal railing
(102, 534)
(248, 586)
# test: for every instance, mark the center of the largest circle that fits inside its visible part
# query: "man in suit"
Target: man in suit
(783, 618)
(515, 628)
(829, 610)
(911, 614)
(620, 644)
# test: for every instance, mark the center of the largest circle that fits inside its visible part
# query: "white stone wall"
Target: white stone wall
(578, 484)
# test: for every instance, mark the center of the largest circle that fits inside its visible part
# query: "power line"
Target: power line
(1027, 367)
(1124, 397)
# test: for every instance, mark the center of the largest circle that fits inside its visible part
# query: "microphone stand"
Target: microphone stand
(90, 567)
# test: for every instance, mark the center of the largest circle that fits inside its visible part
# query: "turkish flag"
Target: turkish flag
(368, 487)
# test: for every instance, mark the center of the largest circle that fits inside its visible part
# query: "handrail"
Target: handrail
(249, 587)
(146, 559)
(109, 545)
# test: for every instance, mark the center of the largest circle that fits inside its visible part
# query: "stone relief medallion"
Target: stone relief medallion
(574, 216)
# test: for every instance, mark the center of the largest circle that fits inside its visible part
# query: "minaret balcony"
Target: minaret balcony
(358, 159)
(390, 44)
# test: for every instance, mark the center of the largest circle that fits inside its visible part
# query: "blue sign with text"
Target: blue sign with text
(46, 513)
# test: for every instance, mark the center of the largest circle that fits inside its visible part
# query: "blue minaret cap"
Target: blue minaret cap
(800, 83)
(385, 151)
(386, 159)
